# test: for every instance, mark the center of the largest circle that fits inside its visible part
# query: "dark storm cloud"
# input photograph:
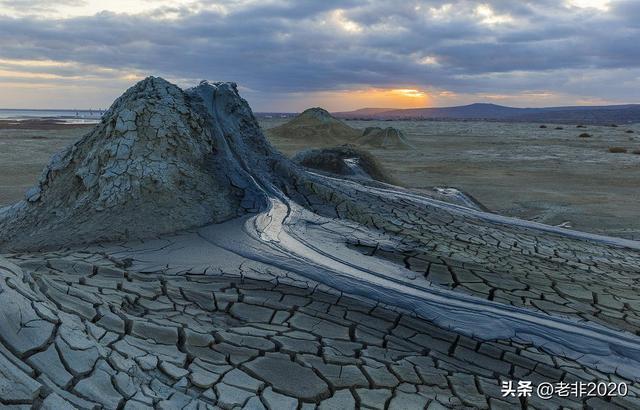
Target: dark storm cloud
(309, 45)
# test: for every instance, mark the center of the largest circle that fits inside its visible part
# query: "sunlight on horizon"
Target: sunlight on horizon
(346, 100)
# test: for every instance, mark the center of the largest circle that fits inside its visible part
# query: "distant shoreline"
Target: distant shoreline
(42, 124)
(64, 116)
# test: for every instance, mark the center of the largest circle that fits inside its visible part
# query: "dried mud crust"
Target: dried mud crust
(82, 331)
(502, 260)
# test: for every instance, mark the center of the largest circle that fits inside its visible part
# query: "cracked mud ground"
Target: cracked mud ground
(292, 305)
(95, 334)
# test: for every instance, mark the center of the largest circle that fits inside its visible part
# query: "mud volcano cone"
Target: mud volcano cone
(316, 127)
(384, 138)
(344, 160)
(161, 160)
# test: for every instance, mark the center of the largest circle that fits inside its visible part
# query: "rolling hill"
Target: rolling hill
(606, 114)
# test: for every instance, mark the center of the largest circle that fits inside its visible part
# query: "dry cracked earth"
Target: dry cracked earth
(341, 294)
(118, 338)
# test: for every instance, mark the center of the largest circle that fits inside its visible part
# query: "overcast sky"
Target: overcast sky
(289, 55)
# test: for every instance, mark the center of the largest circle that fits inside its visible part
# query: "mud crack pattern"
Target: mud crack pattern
(81, 331)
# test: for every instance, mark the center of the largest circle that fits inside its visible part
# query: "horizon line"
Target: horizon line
(355, 109)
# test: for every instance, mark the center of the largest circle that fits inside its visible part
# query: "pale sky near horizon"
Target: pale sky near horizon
(341, 55)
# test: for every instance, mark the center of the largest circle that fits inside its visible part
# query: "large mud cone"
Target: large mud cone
(161, 160)
(317, 127)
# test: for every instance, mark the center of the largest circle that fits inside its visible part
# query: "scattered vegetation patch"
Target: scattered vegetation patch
(636, 151)
(629, 131)
(584, 135)
(617, 150)
(613, 125)
(559, 128)
(543, 126)
(580, 126)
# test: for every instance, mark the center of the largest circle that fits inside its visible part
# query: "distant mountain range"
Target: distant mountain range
(605, 114)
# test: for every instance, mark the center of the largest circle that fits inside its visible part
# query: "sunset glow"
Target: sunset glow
(345, 100)
(408, 92)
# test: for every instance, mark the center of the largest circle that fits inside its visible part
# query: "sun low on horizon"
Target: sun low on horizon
(346, 100)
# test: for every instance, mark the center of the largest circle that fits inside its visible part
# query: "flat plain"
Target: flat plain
(547, 175)
(25, 152)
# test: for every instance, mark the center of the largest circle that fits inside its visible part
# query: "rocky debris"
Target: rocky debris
(317, 128)
(389, 137)
(345, 160)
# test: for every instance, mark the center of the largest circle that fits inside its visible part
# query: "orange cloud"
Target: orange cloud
(372, 97)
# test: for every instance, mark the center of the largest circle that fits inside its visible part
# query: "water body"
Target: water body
(65, 116)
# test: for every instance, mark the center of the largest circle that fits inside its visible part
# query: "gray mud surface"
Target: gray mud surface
(519, 169)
